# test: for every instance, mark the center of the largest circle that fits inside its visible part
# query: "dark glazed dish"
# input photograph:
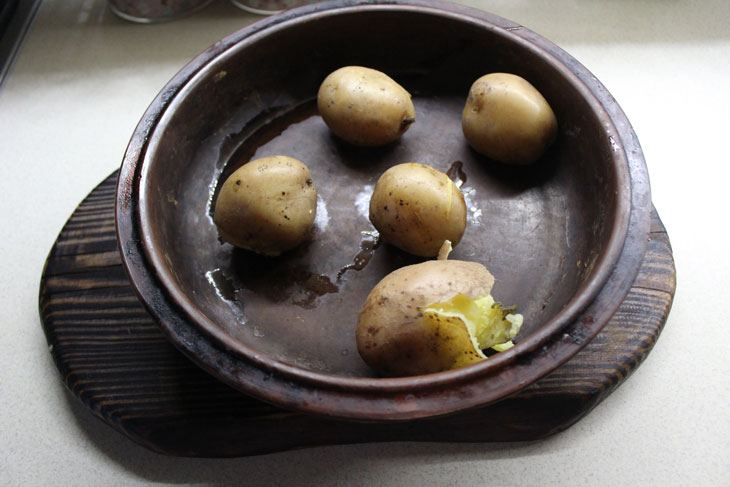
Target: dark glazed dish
(563, 238)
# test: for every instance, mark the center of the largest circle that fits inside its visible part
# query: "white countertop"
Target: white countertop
(82, 81)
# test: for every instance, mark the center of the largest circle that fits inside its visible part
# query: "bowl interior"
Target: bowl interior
(541, 230)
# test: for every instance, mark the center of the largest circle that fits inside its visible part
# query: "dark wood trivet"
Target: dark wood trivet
(112, 356)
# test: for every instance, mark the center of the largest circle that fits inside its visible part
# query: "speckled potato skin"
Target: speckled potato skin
(364, 106)
(392, 336)
(267, 205)
(506, 119)
(416, 207)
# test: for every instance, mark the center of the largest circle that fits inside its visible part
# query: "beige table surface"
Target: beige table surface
(83, 79)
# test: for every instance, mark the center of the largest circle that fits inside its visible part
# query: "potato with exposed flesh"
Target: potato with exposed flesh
(432, 317)
(267, 205)
(416, 208)
(364, 106)
(507, 119)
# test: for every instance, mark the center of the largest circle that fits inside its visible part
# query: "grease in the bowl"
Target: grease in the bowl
(267, 206)
(507, 119)
(433, 316)
(368, 245)
(365, 106)
(416, 208)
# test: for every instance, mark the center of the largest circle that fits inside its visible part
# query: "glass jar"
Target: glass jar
(269, 7)
(148, 11)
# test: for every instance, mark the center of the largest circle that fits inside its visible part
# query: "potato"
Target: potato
(415, 207)
(268, 205)
(431, 317)
(364, 106)
(506, 119)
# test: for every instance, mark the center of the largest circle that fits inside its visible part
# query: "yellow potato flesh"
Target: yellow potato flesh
(466, 326)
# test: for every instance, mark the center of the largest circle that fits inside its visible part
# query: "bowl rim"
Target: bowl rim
(289, 386)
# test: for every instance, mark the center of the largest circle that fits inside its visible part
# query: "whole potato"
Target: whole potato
(364, 106)
(431, 317)
(267, 205)
(505, 118)
(416, 208)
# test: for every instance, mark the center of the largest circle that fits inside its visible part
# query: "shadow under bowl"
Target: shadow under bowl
(563, 238)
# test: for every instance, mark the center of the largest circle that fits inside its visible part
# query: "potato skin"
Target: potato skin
(364, 106)
(416, 207)
(391, 334)
(506, 119)
(267, 205)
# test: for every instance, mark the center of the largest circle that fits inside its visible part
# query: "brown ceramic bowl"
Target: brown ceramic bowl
(563, 237)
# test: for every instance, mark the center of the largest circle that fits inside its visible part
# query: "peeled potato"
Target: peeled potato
(267, 205)
(507, 119)
(364, 106)
(431, 317)
(416, 208)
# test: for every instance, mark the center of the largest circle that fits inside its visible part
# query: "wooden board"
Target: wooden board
(114, 359)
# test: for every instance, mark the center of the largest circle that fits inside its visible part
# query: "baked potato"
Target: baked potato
(364, 106)
(268, 205)
(416, 208)
(507, 119)
(433, 316)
